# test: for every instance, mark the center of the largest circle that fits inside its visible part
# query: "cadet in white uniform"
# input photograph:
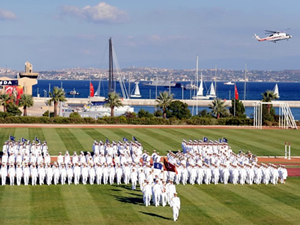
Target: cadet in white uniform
(34, 174)
(175, 204)
(12, 174)
(3, 172)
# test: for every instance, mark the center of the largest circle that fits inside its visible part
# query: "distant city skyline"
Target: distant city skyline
(164, 34)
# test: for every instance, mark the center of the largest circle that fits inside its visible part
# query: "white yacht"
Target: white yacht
(136, 91)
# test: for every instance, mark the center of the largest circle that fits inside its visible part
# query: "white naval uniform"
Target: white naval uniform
(175, 204)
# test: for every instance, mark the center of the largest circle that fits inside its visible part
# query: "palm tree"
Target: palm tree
(26, 101)
(5, 99)
(164, 100)
(57, 95)
(113, 101)
(218, 108)
(269, 96)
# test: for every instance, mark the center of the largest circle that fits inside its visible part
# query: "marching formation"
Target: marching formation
(205, 162)
(200, 162)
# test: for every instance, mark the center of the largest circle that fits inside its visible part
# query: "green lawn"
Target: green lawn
(105, 204)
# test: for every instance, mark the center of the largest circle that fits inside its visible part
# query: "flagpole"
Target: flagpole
(234, 108)
(90, 90)
(234, 102)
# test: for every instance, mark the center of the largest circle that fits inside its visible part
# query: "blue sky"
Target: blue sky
(60, 34)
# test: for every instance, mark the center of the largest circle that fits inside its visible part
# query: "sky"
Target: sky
(60, 34)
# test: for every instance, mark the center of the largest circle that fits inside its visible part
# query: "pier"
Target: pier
(152, 102)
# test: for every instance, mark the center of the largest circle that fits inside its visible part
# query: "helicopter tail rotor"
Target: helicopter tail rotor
(256, 37)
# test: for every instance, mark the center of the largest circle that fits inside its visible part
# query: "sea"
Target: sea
(253, 91)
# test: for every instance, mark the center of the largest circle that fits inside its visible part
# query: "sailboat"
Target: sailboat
(276, 91)
(136, 93)
(212, 91)
(97, 93)
(98, 108)
(199, 94)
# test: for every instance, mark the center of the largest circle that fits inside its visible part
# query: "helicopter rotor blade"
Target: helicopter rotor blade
(270, 31)
(286, 29)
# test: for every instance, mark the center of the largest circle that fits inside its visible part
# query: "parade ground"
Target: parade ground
(118, 204)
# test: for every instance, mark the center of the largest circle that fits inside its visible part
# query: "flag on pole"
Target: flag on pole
(205, 139)
(236, 94)
(157, 166)
(125, 139)
(12, 138)
(91, 90)
(170, 167)
(225, 140)
(36, 139)
(134, 138)
(23, 139)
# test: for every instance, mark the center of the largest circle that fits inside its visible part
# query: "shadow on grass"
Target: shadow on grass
(131, 200)
(153, 214)
(115, 190)
(137, 194)
(125, 187)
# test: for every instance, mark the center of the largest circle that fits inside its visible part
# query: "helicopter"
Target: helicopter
(274, 36)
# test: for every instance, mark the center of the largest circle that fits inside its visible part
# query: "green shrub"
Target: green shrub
(74, 115)
(196, 120)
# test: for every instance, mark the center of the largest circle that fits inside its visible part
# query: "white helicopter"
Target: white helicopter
(275, 36)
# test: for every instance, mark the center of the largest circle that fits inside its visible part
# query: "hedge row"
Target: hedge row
(124, 120)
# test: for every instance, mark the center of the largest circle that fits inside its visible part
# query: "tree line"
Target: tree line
(166, 106)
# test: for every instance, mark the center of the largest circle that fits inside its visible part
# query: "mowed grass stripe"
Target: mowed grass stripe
(174, 141)
(124, 133)
(15, 205)
(22, 133)
(80, 205)
(257, 141)
(111, 134)
(187, 134)
(47, 205)
(95, 134)
(165, 138)
(252, 210)
(36, 132)
(178, 134)
(54, 141)
(142, 138)
(85, 140)
(291, 186)
(153, 139)
(204, 198)
(191, 211)
(281, 198)
(127, 206)
(5, 133)
(262, 207)
(70, 141)
(119, 201)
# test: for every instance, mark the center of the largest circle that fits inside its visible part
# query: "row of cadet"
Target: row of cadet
(222, 166)
(84, 173)
(36, 147)
(110, 174)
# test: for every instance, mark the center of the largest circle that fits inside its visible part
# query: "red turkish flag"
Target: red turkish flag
(91, 90)
(236, 94)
